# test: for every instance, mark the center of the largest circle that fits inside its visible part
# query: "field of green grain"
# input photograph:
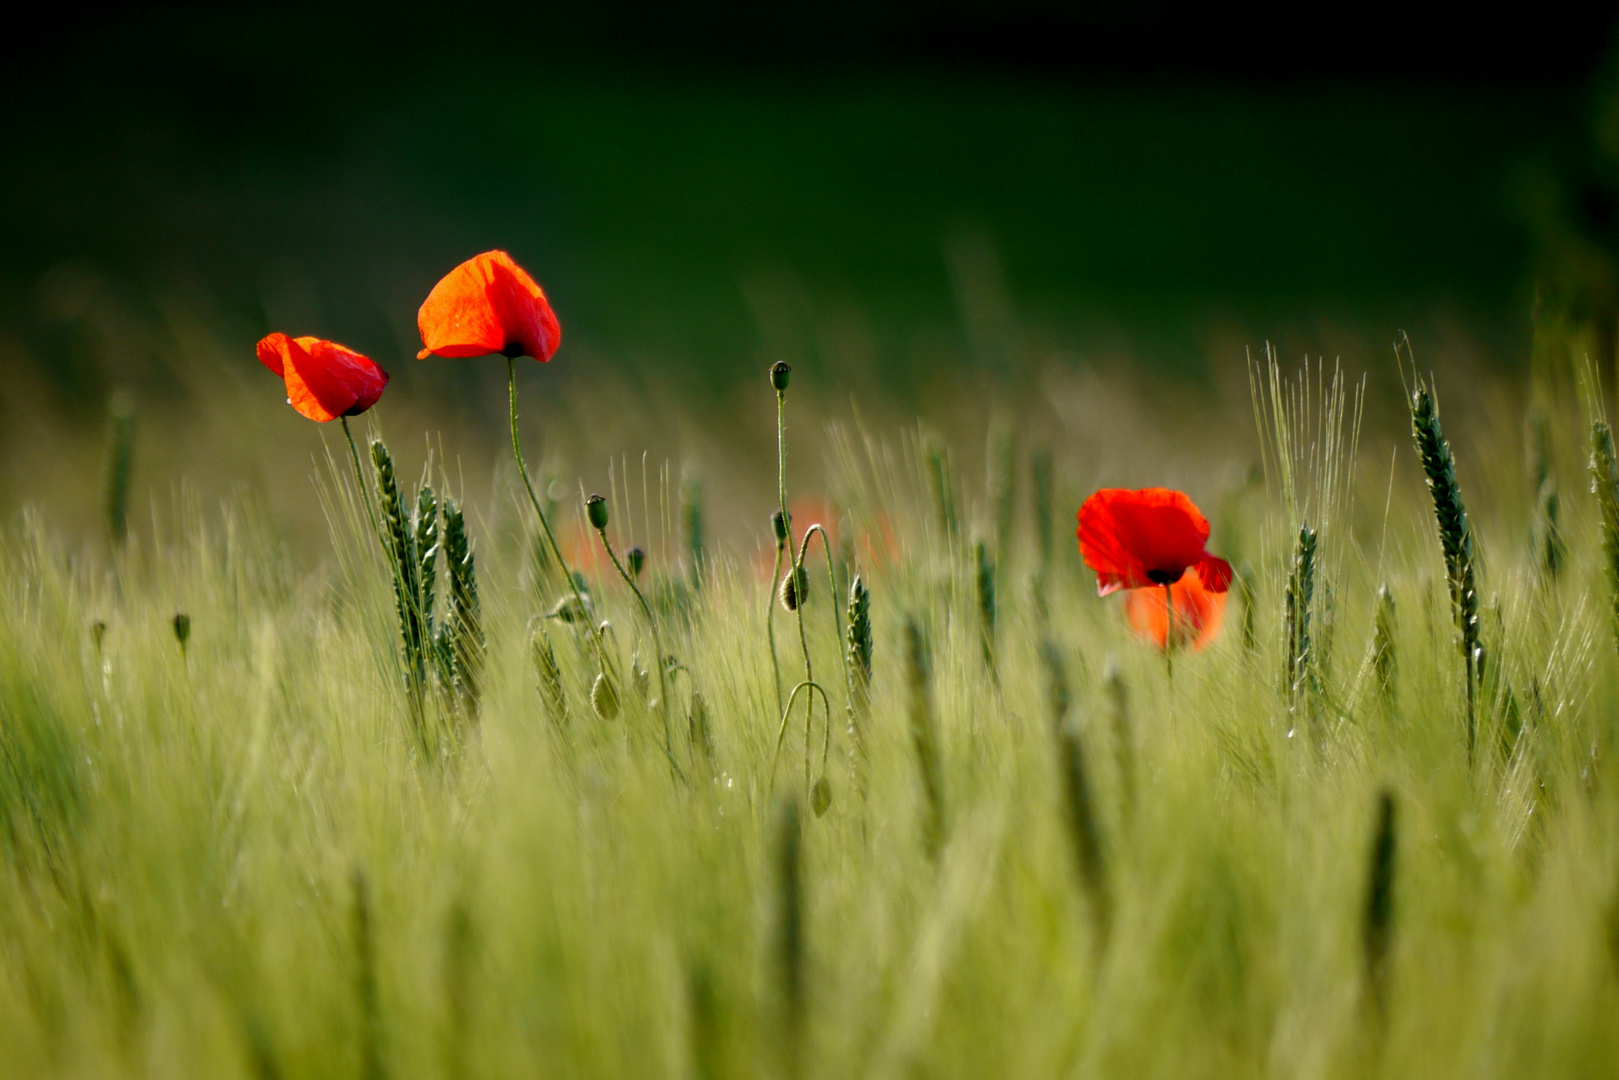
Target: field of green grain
(1327, 845)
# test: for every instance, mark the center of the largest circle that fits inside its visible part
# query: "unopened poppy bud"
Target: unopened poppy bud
(604, 698)
(596, 511)
(636, 558)
(778, 523)
(182, 629)
(98, 631)
(780, 372)
(794, 588)
(820, 796)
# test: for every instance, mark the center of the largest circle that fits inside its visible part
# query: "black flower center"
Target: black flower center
(1162, 577)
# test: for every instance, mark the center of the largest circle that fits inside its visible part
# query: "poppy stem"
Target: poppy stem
(1169, 633)
(657, 642)
(794, 555)
(545, 524)
(359, 478)
(770, 622)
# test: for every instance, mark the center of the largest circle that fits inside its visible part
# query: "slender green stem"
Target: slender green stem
(545, 524)
(1169, 633)
(657, 642)
(770, 622)
(364, 491)
(795, 558)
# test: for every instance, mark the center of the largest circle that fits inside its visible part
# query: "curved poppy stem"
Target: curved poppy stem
(657, 642)
(837, 625)
(359, 477)
(809, 711)
(545, 524)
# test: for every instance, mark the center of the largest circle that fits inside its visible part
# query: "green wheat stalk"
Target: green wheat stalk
(1455, 539)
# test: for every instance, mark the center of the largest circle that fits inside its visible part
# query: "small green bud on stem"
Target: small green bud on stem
(636, 557)
(596, 512)
(182, 630)
(780, 373)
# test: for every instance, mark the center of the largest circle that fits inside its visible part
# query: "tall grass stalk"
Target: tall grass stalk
(924, 737)
(1377, 919)
(1084, 830)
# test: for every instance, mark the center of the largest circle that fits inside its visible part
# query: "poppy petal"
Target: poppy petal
(1198, 613)
(488, 305)
(1133, 539)
(1215, 573)
(324, 380)
(270, 350)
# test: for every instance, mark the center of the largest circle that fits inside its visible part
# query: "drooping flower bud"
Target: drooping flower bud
(637, 559)
(596, 511)
(794, 588)
(604, 698)
(780, 372)
(820, 796)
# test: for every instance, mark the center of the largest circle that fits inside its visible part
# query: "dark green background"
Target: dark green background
(268, 168)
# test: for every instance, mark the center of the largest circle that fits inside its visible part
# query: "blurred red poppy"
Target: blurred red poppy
(324, 379)
(1197, 611)
(488, 305)
(1141, 539)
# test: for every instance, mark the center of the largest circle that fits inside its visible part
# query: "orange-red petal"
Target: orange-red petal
(324, 380)
(1197, 610)
(1136, 539)
(487, 305)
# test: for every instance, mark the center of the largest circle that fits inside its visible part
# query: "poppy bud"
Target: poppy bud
(596, 511)
(780, 372)
(182, 629)
(794, 588)
(778, 524)
(603, 698)
(98, 630)
(636, 558)
(820, 796)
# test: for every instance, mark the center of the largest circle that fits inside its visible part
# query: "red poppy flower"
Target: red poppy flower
(1198, 611)
(324, 379)
(1151, 537)
(487, 305)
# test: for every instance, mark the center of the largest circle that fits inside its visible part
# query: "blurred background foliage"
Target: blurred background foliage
(956, 215)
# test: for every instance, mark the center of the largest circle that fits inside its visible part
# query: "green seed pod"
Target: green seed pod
(604, 698)
(636, 557)
(596, 511)
(780, 372)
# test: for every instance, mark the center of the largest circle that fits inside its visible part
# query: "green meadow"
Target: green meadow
(1358, 834)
